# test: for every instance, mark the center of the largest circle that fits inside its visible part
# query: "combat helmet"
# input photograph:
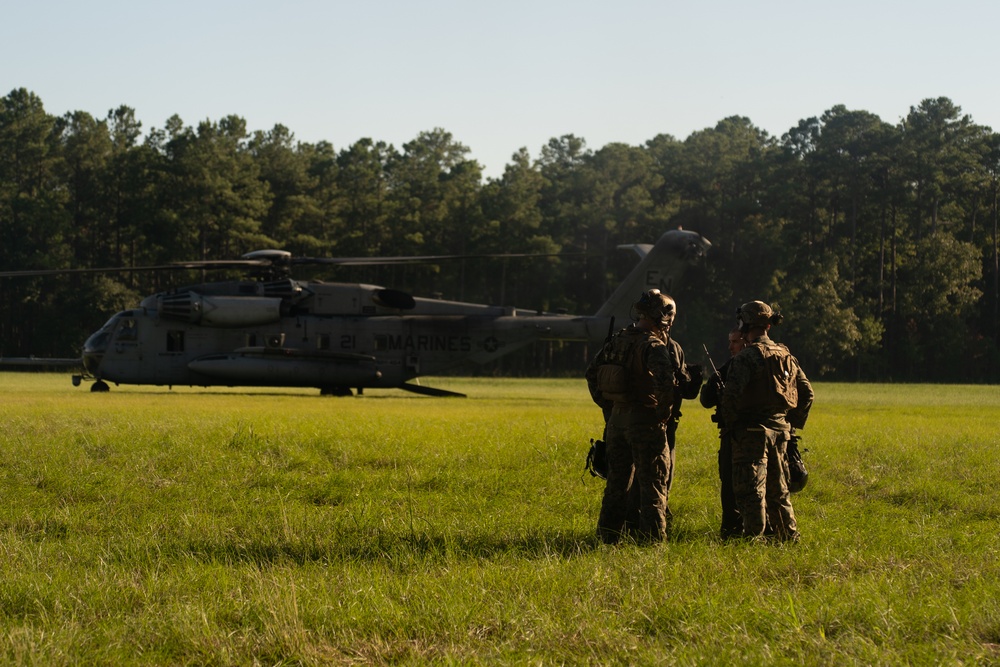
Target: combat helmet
(756, 314)
(657, 306)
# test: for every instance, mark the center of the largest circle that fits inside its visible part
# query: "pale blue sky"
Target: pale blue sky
(500, 75)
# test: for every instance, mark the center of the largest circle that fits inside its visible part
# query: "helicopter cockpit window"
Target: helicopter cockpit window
(127, 331)
(175, 341)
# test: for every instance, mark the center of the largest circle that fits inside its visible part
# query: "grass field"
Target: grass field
(228, 527)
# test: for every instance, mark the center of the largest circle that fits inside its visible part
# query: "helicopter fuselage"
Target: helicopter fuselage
(339, 336)
(295, 341)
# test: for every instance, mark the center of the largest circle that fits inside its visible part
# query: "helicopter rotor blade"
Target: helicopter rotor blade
(176, 266)
(416, 259)
(269, 262)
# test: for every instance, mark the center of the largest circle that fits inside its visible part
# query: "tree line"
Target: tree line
(877, 241)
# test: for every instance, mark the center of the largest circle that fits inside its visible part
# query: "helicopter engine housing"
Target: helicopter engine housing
(219, 311)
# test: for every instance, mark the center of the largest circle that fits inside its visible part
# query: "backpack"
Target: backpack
(783, 372)
(620, 366)
(612, 379)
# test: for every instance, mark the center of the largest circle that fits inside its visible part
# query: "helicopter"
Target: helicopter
(270, 330)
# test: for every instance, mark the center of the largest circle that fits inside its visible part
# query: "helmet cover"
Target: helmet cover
(756, 314)
(657, 306)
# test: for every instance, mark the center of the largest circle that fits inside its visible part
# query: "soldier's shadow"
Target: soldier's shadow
(397, 547)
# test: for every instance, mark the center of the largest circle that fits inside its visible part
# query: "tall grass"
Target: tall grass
(149, 526)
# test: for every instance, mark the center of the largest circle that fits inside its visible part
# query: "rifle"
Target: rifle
(712, 363)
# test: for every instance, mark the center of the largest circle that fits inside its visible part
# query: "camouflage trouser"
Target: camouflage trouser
(632, 516)
(637, 456)
(760, 473)
(671, 442)
(732, 522)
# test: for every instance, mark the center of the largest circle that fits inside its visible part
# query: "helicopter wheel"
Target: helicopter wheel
(335, 391)
(100, 386)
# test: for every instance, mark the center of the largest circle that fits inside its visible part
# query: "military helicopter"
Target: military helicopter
(270, 330)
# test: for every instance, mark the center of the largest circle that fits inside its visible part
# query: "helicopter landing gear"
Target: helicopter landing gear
(100, 386)
(335, 391)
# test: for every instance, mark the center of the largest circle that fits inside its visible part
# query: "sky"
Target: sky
(501, 75)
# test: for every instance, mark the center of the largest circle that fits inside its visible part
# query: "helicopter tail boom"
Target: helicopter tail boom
(660, 267)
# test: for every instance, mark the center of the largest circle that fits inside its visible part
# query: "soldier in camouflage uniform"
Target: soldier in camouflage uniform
(635, 376)
(687, 379)
(711, 392)
(765, 385)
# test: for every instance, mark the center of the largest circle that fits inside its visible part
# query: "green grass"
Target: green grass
(149, 526)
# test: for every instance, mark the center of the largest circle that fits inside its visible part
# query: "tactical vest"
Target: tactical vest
(774, 389)
(622, 376)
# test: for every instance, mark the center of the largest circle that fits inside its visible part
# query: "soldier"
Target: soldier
(688, 379)
(639, 375)
(711, 392)
(764, 387)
